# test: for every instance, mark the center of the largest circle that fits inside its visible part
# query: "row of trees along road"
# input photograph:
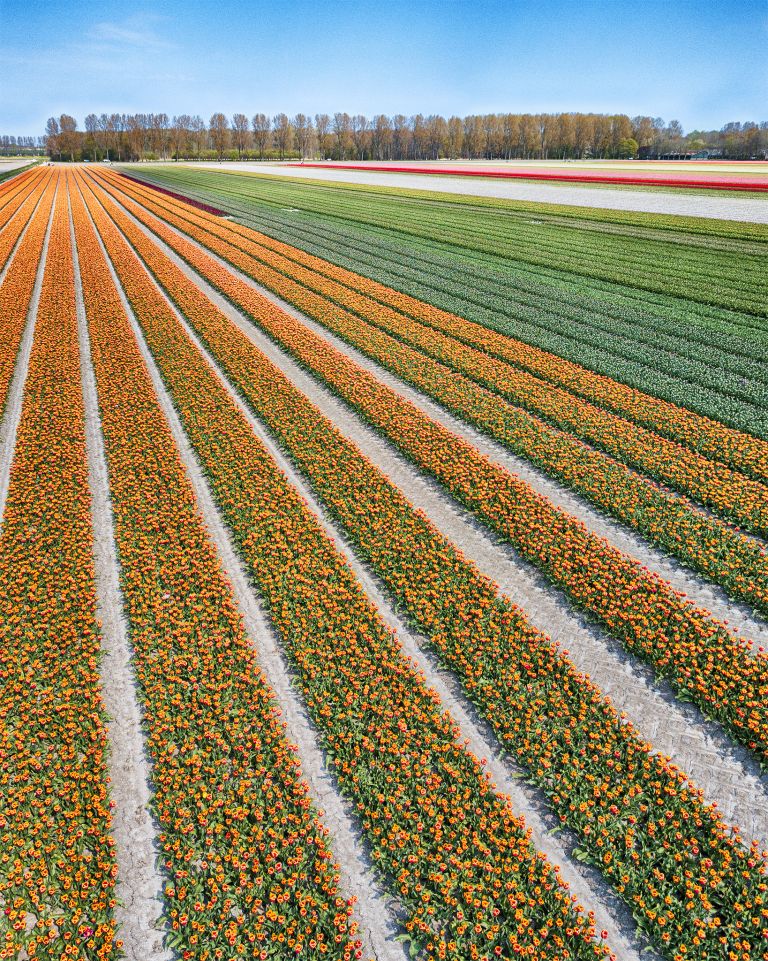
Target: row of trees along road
(12, 146)
(355, 137)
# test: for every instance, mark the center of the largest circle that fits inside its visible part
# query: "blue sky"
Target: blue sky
(698, 61)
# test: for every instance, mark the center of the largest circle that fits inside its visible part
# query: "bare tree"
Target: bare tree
(262, 128)
(240, 132)
(69, 139)
(455, 144)
(283, 131)
(118, 126)
(510, 134)
(197, 133)
(219, 133)
(492, 135)
(322, 128)
(163, 128)
(474, 136)
(360, 128)
(381, 141)
(545, 125)
(304, 131)
(53, 137)
(181, 128)
(400, 136)
(437, 136)
(585, 134)
(135, 135)
(91, 128)
(566, 135)
(102, 134)
(342, 131)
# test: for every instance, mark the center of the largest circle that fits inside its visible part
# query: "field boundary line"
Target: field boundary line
(672, 725)
(140, 883)
(373, 910)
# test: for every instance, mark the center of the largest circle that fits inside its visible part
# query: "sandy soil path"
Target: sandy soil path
(7, 165)
(724, 771)
(374, 911)
(139, 881)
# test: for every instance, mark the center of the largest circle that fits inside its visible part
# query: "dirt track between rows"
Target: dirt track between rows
(724, 771)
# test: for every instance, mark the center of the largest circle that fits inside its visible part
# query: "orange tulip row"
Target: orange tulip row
(14, 203)
(719, 488)
(57, 863)
(9, 189)
(701, 658)
(712, 439)
(459, 862)
(707, 544)
(552, 719)
(19, 214)
(243, 849)
(17, 288)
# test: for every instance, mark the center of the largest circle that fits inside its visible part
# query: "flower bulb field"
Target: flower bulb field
(384, 573)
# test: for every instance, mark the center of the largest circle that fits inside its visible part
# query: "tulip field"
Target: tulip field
(711, 180)
(435, 541)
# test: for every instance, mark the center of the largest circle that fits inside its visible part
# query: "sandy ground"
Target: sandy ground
(585, 884)
(751, 210)
(139, 882)
(377, 926)
(725, 772)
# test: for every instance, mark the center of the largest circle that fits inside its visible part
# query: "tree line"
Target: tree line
(11, 146)
(344, 136)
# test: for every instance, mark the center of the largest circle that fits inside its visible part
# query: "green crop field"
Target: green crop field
(673, 306)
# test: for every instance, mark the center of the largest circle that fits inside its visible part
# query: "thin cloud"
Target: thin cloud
(133, 32)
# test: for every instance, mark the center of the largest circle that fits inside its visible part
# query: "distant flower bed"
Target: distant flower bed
(672, 180)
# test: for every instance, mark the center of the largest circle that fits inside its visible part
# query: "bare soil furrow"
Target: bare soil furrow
(743, 620)
(585, 883)
(139, 881)
(375, 912)
(726, 773)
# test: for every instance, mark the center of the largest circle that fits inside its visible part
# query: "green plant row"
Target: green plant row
(706, 544)
(553, 317)
(725, 278)
(727, 493)
(602, 318)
